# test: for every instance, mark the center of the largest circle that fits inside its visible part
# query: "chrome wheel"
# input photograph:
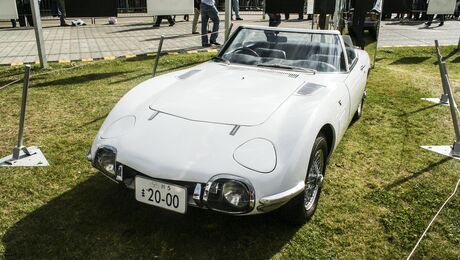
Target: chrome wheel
(314, 180)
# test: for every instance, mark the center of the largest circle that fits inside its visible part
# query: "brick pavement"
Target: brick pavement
(135, 36)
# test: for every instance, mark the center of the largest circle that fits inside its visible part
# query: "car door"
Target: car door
(356, 80)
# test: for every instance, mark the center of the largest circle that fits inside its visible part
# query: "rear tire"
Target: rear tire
(359, 111)
(301, 208)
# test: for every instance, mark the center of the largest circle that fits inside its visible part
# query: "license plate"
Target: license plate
(161, 194)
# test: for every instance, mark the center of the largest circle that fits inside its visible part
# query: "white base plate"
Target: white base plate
(435, 100)
(36, 159)
(445, 150)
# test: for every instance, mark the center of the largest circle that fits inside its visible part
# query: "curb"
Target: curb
(126, 56)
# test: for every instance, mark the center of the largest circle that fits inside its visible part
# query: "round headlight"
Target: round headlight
(236, 194)
(106, 160)
(230, 194)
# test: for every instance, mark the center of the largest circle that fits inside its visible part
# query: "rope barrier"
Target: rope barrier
(434, 218)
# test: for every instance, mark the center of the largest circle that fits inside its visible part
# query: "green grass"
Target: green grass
(381, 189)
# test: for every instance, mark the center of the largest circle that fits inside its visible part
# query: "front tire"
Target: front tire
(300, 209)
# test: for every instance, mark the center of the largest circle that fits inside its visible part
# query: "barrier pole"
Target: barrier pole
(454, 113)
(157, 58)
(228, 32)
(443, 71)
(20, 146)
(39, 33)
(228, 17)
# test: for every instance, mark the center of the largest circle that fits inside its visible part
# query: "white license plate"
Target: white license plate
(161, 194)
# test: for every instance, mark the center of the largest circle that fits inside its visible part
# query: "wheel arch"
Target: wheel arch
(329, 133)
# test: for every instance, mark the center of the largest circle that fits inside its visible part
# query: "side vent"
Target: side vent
(309, 89)
(188, 74)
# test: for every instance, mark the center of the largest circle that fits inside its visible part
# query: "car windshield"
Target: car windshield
(320, 52)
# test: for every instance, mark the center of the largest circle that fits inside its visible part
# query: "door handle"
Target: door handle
(363, 66)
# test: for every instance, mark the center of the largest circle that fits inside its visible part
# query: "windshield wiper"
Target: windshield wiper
(279, 66)
(220, 59)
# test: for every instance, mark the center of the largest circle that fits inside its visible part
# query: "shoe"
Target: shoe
(156, 26)
(215, 43)
(171, 24)
(65, 24)
(427, 24)
(239, 19)
(195, 33)
(441, 24)
(206, 45)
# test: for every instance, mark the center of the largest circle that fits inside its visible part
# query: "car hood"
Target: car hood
(227, 94)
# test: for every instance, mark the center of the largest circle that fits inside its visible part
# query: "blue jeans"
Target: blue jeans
(209, 12)
(236, 8)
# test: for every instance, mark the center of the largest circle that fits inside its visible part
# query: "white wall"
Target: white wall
(441, 6)
(8, 10)
(169, 7)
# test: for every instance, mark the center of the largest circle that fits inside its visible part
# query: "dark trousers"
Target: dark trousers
(209, 12)
(274, 20)
(161, 17)
(13, 23)
(358, 28)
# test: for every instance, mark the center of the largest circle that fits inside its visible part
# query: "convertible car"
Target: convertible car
(247, 132)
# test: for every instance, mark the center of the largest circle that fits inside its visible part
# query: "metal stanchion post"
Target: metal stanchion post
(39, 33)
(228, 32)
(264, 8)
(454, 113)
(228, 16)
(20, 146)
(157, 58)
(443, 71)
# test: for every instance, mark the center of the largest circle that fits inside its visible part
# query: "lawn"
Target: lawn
(380, 192)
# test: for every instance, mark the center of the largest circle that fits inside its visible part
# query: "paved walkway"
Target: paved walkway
(135, 36)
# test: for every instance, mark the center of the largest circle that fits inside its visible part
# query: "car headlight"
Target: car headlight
(257, 154)
(106, 160)
(230, 194)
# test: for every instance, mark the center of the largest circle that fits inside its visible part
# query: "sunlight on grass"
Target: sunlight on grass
(380, 191)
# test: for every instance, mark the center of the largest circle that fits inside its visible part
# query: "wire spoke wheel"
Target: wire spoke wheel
(314, 180)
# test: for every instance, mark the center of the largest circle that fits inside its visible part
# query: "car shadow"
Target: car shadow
(99, 219)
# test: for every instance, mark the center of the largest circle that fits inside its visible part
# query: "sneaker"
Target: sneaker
(171, 24)
(215, 43)
(441, 24)
(206, 45)
(195, 33)
(239, 19)
(427, 23)
(155, 26)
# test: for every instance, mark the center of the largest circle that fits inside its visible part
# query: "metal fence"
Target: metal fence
(132, 7)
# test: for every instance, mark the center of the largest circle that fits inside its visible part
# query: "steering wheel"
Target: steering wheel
(246, 50)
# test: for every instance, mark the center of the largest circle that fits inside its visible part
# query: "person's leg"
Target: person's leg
(286, 16)
(215, 20)
(196, 15)
(430, 19)
(236, 7)
(158, 21)
(204, 24)
(442, 17)
(13, 23)
(170, 20)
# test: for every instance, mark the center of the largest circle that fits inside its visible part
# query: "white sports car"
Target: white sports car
(246, 133)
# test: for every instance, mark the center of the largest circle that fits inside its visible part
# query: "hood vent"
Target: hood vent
(309, 89)
(188, 74)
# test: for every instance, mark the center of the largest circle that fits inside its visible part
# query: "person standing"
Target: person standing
(196, 16)
(236, 9)
(209, 11)
(160, 19)
(431, 17)
(57, 9)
